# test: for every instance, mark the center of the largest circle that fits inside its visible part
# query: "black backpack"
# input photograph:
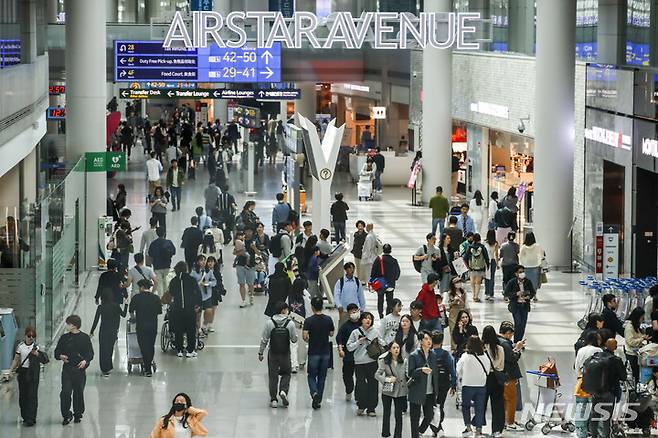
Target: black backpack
(443, 372)
(418, 264)
(595, 374)
(280, 338)
(275, 245)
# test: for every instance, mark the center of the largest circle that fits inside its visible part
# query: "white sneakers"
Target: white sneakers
(243, 304)
(348, 397)
(467, 432)
(191, 355)
(440, 434)
(360, 412)
(274, 404)
(180, 354)
(284, 398)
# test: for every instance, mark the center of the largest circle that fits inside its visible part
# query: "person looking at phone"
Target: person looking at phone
(512, 372)
(27, 364)
(520, 291)
(423, 384)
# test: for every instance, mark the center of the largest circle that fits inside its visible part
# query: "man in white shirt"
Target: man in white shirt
(140, 272)
(592, 342)
(148, 237)
(153, 171)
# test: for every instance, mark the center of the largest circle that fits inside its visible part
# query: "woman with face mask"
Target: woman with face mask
(182, 421)
(365, 365)
(27, 364)
(519, 291)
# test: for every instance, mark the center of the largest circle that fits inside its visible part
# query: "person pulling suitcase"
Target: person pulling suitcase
(145, 307)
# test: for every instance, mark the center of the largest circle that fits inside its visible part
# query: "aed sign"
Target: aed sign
(382, 30)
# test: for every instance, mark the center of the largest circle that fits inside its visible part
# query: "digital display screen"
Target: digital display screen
(10, 53)
(56, 113)
(247, 116)
(149, 61)
(55, 90)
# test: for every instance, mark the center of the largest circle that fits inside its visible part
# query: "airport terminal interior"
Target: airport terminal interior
(489, 161)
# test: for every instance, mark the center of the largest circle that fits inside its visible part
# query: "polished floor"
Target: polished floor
(228, 380)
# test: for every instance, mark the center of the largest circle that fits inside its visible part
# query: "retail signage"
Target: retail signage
(610, 138)
(611, 251)
(209, 93)
(105, 161)
(650, 147)
(598, 256)
(490, 109)
(55, 113)
(247, 116)
(202, 5)
(10, 53)
(383, 30)
(56, 90)
(150, 61)
(378, 112)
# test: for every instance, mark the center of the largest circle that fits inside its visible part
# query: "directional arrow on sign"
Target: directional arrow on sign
(122, 60)
(266, 56)
(268, 72)
(122, 74)
(125, 93)
(261, 93)
(216, 93)
(170, 93)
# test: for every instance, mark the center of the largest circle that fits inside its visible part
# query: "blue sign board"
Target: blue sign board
(10, 53)
(149, 61)
(202, 5)
(637, 53)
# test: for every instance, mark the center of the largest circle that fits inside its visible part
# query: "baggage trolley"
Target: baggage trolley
(364, 189)
(132, 349)
(547, 396)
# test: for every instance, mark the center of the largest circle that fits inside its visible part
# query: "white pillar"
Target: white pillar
(86, 100)
(611, 32)
(220, 106)
(283, 110)
(437, 111)
(52, 11)
(554, 126)
(28, 20)
(112, 8)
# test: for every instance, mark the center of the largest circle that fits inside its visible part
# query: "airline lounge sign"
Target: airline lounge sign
(382, 30)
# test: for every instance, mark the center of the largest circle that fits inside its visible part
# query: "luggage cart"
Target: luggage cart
(547, 396)
(364, 189)
(132, 349)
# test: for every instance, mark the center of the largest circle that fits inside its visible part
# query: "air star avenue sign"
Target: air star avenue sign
(383, 30)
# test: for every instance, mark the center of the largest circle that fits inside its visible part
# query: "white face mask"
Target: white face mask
(521, 275)
(355, 316)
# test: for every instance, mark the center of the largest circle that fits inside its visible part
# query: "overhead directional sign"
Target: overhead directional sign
(150, 61)
(201, 93)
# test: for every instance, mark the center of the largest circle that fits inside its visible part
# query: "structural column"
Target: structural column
(28, 12)
(112, 8)
(437, 111)
(85, 104)
(220, 106)
(554, 127)
(522, 26)
(611, 32)
(52, 11)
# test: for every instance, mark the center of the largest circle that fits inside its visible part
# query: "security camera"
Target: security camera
(521, 126)
(414, 74)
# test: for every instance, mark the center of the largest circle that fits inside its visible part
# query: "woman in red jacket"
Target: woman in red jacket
(430, 307)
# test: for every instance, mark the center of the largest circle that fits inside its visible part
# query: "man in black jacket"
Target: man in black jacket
(146, 307)
(611, 324)
(192, 238)
(512, 371)
(385, 266)
(161, 251)
(422, 365)
(110, 281)
(186, 302)
(600, 417)
(520, 291)
(75, 350)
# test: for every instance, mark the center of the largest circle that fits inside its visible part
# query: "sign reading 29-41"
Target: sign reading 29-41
(150, 61)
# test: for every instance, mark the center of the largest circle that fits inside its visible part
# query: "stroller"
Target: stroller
(546, 407)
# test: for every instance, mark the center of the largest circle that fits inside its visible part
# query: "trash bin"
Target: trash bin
(8, 329)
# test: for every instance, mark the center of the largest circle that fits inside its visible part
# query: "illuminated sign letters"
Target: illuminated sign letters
(650, 147)
(610, 138)
(383, 30)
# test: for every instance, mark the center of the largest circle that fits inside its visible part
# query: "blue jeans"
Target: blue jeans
(520, 316)
(316, 367)
(440, 222)
(339, 231)
(431, 325)
(581, 416)
(489, 284)
(175, 197)
(473, 396)
(378, 180)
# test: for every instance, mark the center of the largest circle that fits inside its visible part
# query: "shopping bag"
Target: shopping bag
(460, 266)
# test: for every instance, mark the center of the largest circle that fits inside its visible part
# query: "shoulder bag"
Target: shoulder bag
(496, 376)
(374, 348)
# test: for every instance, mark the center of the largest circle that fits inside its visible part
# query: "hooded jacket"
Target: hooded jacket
(279, 288)
(185, 292)
(430, 307)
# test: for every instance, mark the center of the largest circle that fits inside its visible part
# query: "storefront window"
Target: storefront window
(638, 32)
(10, 33)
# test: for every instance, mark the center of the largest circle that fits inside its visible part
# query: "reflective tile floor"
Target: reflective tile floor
(228, 380)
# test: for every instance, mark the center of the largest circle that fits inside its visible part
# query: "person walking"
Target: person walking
(505, 222)
(161, 251)
(279, 332)
(109, 313)
(206, 280)
(447, 382)
(457, 301)
(380, 163)
(440, 208)
(120, 198)
(465, 222)
(391, 374)
(423, 382)
(388, 325)
(299, 303)
(473, 369)
(145, 307)
(338, 212)
(318, 328)
(491, 211)
(148, 237)
(74, 349)
(28, 358)
(280, 213)
(278, 287)
(182, 420)
(444, 265)
(244, 264)
(358, 240)
(387, 267)
(463, 331)
(190, 241)
(512, 372)
(427, 296)
(372, 248)
(492, 250)
(312, 271)
(520, 292)
(478, 210)
(348, 290)
(153, 170)
(531, 256)
(185, 304)
(360, 344)
(495, 380)
(509, 258)
(211, 196)
(477, 259)
(428, 255)
(158, 202)
(407, 332)
(175, 181)
(342, 337)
